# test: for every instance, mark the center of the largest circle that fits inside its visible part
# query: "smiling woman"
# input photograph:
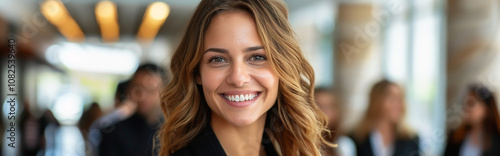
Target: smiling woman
(234, 69)
(241, 85)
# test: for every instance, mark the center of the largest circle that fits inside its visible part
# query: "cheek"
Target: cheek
(400, 108)
(394, 106)
(388, 108)
(393, 110)
(479, 112)
(156, 95)
(330, 114)
(211, 79)
(269, 80)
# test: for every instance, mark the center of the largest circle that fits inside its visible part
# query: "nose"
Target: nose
(238, 75)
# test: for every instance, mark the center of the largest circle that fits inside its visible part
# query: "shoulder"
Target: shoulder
(119, 121)
(495, 142)
(362, 146)
(118, 129)
(108, 120)
(356, 140)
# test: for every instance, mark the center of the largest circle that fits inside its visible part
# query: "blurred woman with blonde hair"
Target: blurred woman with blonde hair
(327, 102)
(382, 131)
(241, 85)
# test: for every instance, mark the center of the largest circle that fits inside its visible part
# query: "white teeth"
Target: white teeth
(240, 98)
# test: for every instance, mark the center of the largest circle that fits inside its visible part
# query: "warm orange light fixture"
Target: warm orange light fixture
(107, 18)
(153, 19)
(56, 13)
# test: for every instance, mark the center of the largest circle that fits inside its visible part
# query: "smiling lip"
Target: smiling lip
(233, 98)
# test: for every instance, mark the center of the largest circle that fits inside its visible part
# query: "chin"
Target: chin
(241, 120)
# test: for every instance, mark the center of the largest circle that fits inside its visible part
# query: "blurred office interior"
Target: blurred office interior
(72, 53)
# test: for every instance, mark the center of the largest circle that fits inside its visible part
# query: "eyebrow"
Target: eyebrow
(221, 50)
(218, 50)
(254, 48)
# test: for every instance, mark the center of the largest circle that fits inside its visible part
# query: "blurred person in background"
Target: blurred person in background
(37, 133)
(93, 113)
(32, 132)
(382, 131)
(135, 135)
(326, 101)
(51, 125)
(479, 132)
(121, 93)
(124, 108)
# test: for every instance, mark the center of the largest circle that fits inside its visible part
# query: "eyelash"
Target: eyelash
(257, 55)
(212, 59)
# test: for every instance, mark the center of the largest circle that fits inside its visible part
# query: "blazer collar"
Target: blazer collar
(207, 143)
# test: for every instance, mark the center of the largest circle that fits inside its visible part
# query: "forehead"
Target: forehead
(145, 76)
(392, 88)
(232, 28)
(473, 96)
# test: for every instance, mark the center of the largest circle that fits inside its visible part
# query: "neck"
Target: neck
(239, 140)
(152, 117)
(476, 128)
(475, 133)
(386, 129)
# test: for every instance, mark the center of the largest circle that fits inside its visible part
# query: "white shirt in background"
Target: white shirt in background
(346, 146)
(378, 145)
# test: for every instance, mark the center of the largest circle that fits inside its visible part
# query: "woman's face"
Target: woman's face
(238, 82)
(393, 104)
(475, 110)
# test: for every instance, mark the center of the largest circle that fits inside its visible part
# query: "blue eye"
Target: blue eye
(258, 58)
(217, 59)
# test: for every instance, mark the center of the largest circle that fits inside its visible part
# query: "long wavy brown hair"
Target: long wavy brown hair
(295, 123)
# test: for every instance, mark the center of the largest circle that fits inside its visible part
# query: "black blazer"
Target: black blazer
(453, 149)
(131, 137)
(402, 147)
(206, 143)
